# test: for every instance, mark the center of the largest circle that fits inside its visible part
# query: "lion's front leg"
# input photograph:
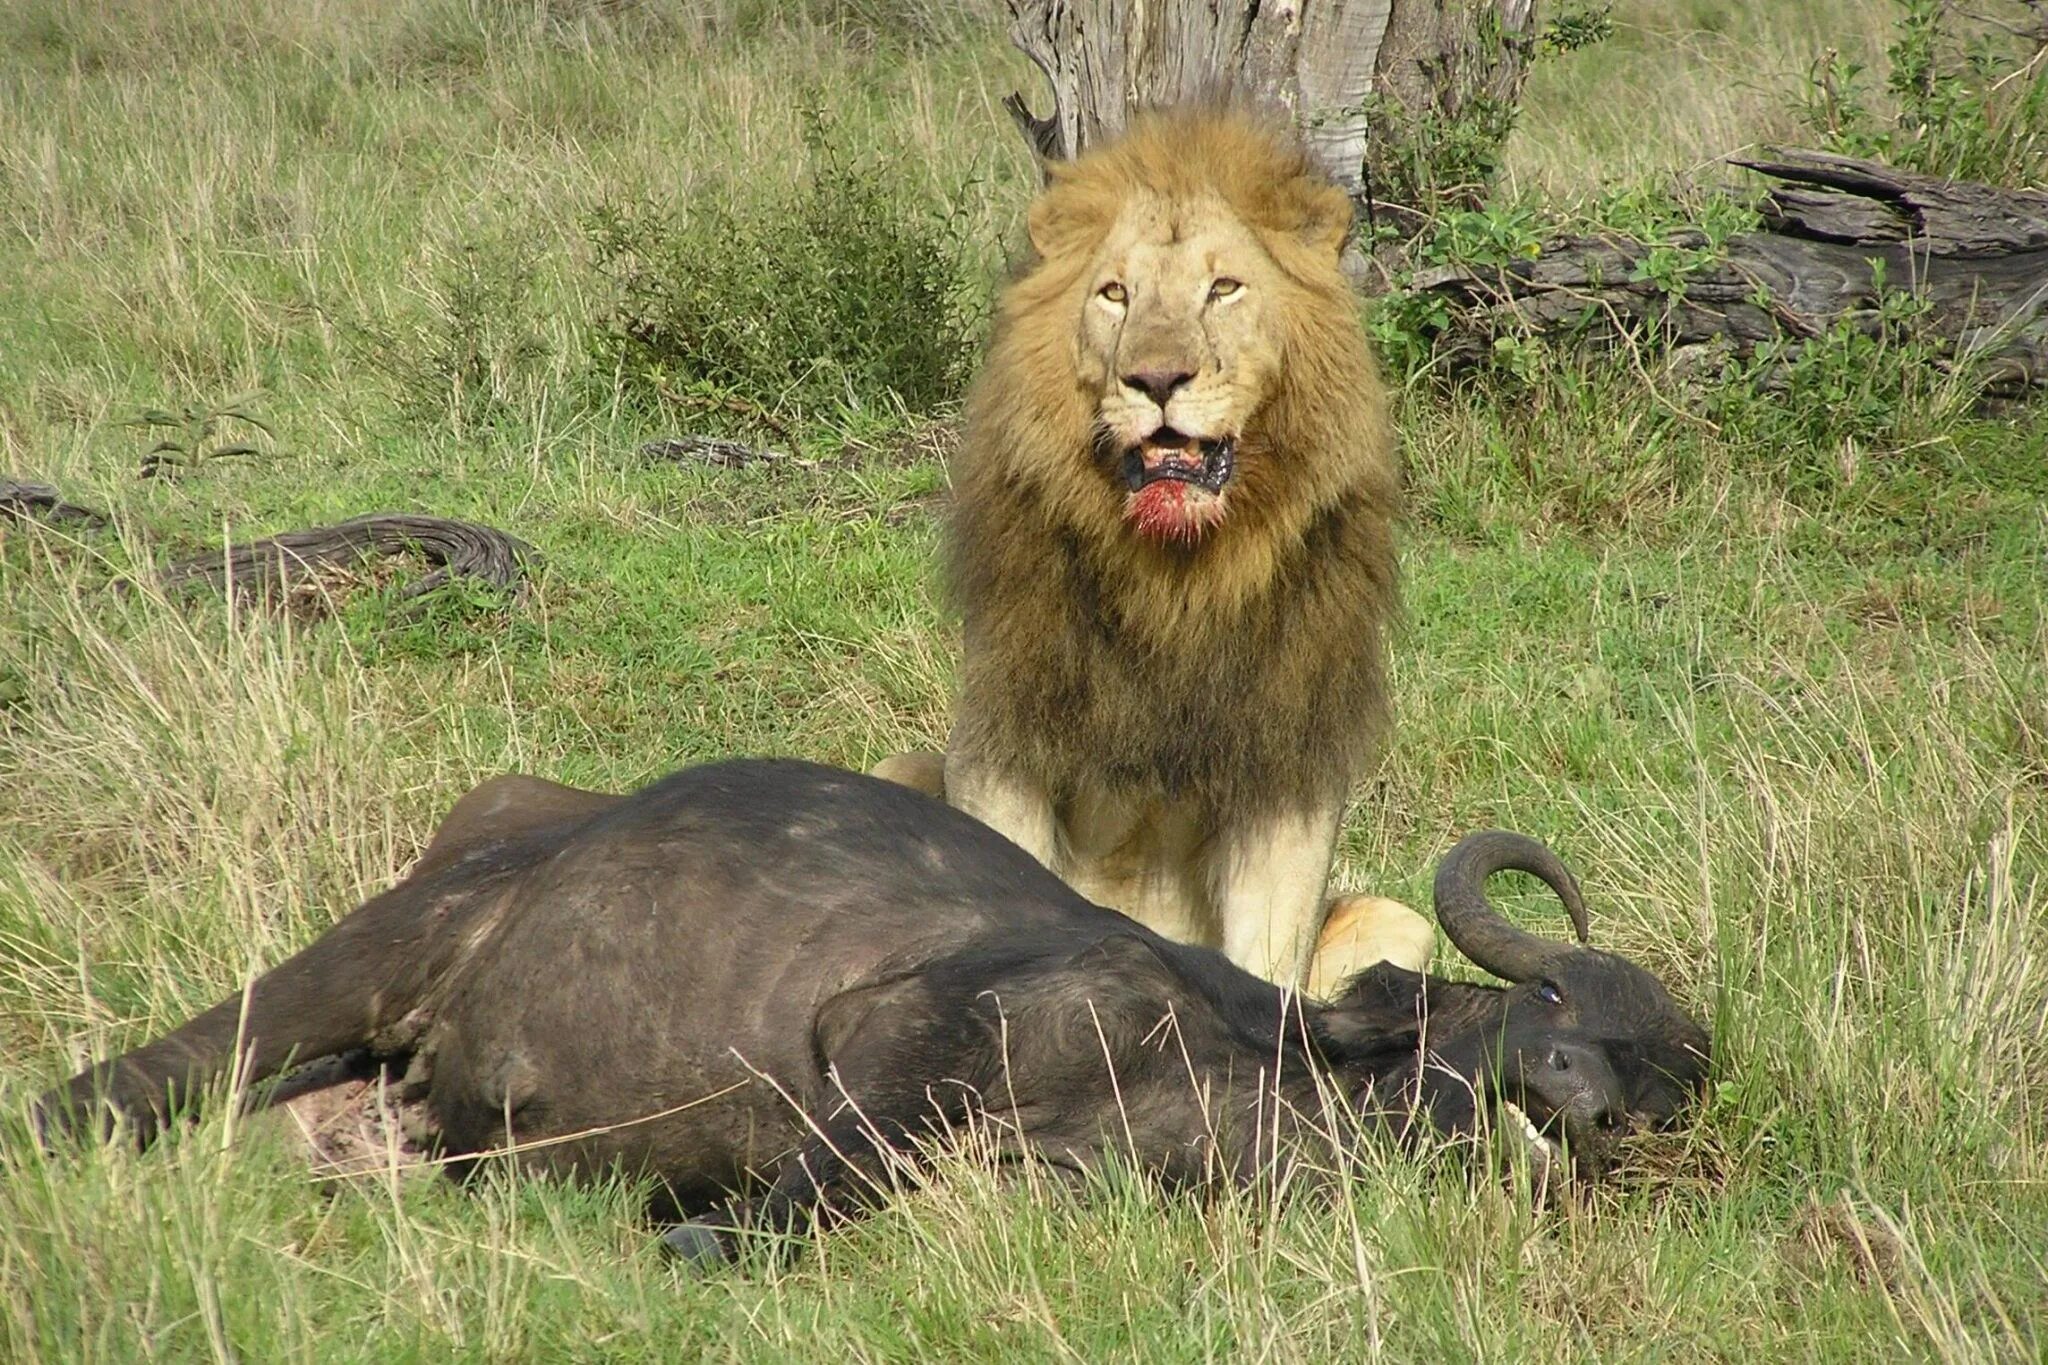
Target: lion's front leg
(921, 770)
(1268, 877)
(1007, 802)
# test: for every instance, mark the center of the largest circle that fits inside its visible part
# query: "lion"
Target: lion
(1172, 547)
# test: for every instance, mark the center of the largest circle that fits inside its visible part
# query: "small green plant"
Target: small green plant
(1578, 25)
(1682, 235)
(196, 434)
(1439, 153)
(848, 289)
(1866, 380)
(1406, 322)
(475, 359)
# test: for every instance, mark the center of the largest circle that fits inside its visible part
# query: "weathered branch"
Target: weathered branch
(1841, 199)
(40, 502)
(717, 452)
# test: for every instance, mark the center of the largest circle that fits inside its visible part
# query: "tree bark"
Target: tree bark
(1359, 78)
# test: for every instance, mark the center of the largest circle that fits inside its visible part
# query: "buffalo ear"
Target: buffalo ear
(1385, 1006)
(1379, 1009)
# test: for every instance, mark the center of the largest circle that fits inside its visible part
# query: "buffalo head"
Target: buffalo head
(1579, 1049)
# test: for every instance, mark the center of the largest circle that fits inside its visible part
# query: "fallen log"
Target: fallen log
(717, 452)
(40, 502)
(1838, 234)
(274, 565)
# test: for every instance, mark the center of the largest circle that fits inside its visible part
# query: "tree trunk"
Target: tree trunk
(1370, 83)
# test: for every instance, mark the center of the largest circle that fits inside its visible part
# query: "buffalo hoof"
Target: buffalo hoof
(697, 1246)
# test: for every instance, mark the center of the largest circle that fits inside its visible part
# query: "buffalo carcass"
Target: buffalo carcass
(761, 981)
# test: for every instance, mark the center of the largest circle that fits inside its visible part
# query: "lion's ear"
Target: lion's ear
(1325, 218)
(1059, 223)
(1044, 222)
(1066, 217)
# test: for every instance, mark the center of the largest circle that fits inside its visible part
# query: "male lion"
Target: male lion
(1172, 544)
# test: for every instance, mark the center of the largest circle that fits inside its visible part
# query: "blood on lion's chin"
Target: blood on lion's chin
(1172, 512)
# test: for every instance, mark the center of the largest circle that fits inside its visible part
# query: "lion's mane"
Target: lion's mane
(1245, 671)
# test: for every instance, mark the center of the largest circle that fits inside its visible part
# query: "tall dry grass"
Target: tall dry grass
(1681, 84)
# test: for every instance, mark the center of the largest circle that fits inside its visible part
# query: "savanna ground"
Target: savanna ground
(1770, 671)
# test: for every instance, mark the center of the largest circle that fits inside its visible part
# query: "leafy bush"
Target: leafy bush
(1440, 152)
(1968, 92)
(849, 288)
(1869, 380)
(1967, 97)
(1683, 232)
(199, 432)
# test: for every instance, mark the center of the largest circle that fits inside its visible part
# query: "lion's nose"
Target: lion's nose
(1157, 384)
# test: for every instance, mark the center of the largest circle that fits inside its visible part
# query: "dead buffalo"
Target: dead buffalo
(762, 981)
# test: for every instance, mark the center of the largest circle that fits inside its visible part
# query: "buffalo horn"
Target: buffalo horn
(1481, 933)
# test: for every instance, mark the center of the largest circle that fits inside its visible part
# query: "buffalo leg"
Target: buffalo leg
(844, 1166)
(353, 986)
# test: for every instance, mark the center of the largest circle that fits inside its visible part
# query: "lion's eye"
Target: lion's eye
(1223, 288)
(1114, 292)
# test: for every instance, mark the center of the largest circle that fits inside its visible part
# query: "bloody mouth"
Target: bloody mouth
(1174, 484)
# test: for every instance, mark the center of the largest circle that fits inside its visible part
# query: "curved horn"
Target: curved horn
(1480, 932)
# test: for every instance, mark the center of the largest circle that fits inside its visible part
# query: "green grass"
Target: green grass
(1781, 702)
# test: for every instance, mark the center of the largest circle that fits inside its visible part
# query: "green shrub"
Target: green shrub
(850, 288)
(1968, 95)
(1439, 152)
(1870, 379)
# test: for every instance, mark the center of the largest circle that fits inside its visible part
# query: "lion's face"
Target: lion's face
(1179, 382)
(1177, 344)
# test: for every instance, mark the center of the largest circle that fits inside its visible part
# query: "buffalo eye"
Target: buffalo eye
(1114, 292)
(1548, 993)
(1224, 287)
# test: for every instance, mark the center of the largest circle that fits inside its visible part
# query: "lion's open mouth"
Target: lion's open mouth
(1168, 455)
(1174, 485)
